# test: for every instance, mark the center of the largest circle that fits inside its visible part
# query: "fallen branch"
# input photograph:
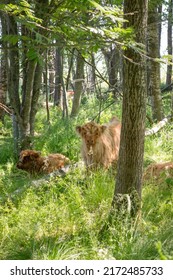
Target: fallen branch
(158, 126)
(167, 88)
(46, 179)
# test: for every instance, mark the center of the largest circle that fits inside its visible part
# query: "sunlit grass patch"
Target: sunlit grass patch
(159, 147)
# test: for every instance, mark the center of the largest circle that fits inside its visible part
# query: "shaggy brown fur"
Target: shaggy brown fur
(155, 170)
(33, 162)
(100, 143)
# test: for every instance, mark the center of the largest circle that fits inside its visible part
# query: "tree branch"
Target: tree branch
(157, 127)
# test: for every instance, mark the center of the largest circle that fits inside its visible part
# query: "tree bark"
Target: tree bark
(160, 23)
(35, 96)
(169, 66)
(65, 101)
(70, 66)
(46, 88)
(51, 71)
(13, 81)
(25, 128)
(92, 75)
(129, 173)
(112, 58)
(154, 91)
(3, 67)
(58, 77)
(79, 78)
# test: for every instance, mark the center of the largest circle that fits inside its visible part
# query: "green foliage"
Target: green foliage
(155, 3)
(85, 25)
(6, 141)
(21, 11)
(33, 54)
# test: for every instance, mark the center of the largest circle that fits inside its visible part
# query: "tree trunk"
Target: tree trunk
(46, 90)
(25, 107)
(154, 91)
(35, 96)
(51, 71)
(3, 66)
(91, 88)
(160, 24)
(65, 101)
(78, 88)
(13, 80)
(70, 66)
(35, 87)
(169, 66)
(112, 59)
(129, 173)
(2, 101)
(58, 77)
(25, 128)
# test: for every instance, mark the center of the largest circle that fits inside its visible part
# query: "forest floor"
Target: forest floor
(61, 218)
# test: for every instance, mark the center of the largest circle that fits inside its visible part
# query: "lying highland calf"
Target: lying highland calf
(100, 143)
(33, 162)
(156, 170)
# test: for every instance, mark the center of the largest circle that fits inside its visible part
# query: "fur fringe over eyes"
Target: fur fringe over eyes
(100, 143)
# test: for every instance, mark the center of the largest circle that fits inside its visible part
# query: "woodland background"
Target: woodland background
(64, 63)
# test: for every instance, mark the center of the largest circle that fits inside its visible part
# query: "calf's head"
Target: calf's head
(27, 159)
(90, 133)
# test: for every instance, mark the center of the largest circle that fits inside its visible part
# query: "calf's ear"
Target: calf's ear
(37, 154)
(103, 128)
(79, 129)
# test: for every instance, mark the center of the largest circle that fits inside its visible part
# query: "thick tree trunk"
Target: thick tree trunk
(129, 174)
(3, 66)
(154, 91)
(78, 88)
(25, 127)
(13, 81)
(169, 66)
(160, 24)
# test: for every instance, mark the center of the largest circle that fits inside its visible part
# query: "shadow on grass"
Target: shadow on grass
(13, 183)
(57, 247)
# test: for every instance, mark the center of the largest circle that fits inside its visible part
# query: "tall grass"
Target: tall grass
(62, 218)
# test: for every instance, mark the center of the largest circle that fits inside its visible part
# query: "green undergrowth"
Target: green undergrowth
(62, 218)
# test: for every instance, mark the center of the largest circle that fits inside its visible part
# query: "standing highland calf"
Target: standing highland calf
(100, 143)
(33, 162)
